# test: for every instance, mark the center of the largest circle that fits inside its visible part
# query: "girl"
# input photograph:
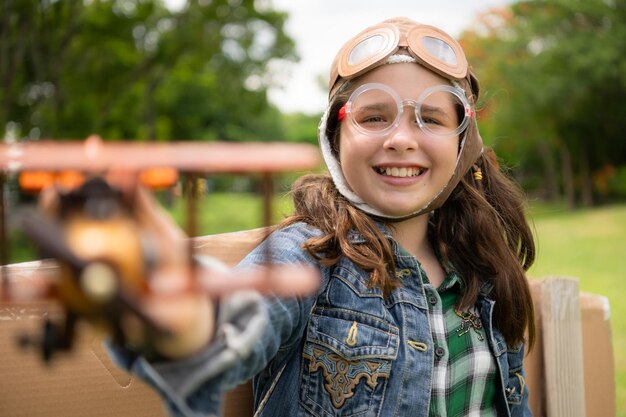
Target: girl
(422, 247)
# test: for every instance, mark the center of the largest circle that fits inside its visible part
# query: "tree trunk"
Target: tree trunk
(568, 176)
(586, 184)
(150, 118)
(550, 175)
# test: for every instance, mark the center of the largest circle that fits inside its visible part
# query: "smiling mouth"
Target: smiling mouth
(400, 172)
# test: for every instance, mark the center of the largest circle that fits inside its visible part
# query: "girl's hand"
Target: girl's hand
(182, 295)
(134, 269)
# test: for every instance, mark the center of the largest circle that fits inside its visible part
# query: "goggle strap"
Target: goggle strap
(469, 112)
(342, 113)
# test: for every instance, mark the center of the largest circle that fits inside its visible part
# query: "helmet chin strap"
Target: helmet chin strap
(334, 167)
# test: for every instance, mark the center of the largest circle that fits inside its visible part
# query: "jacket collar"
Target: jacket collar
(355, 237)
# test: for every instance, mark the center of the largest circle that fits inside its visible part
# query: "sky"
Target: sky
(320, 27)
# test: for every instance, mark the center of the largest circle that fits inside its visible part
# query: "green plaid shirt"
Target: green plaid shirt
(464, 370)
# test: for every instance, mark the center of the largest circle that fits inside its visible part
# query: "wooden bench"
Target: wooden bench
(570, 373)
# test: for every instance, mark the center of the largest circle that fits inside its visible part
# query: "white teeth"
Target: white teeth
(400, 172)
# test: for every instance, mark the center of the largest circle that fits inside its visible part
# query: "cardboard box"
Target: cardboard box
(598, 360)
(79, 384)
(87, 384)
(84, 382)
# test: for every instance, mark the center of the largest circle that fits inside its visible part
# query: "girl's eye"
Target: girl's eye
(436, 118)
(373, 114)
(374, 119)
(432, 121)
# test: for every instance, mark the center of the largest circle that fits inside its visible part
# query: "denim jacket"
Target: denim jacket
(346, 351)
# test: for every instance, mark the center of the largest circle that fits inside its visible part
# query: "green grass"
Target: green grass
(230, 212)
(589, 245)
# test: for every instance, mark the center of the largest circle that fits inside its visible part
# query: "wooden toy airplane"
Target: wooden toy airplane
(91, 224)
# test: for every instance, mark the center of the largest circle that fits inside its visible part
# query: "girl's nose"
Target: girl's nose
(405, 137)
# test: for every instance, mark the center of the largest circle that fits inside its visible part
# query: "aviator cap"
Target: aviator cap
(401, 40)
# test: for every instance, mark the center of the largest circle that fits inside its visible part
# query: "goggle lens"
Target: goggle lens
(439, 49)
(376, 109)
(366, 49)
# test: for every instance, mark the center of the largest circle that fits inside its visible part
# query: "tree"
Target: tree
(134, 69)
(558, 82)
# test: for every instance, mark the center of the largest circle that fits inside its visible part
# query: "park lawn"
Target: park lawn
(589, 245)
(230, 212)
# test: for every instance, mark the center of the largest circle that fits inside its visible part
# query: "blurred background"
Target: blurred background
(553, 101)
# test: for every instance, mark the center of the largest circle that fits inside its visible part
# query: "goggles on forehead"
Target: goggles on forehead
(376, 109)
(430, 46)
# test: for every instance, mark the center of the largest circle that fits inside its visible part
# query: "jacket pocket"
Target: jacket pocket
(346, 362)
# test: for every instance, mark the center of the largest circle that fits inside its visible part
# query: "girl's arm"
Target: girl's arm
(250, 329)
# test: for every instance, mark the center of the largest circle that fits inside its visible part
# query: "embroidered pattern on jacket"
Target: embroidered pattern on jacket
(342, 375)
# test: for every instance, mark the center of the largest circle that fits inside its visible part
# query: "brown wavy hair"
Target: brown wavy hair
(480, 232)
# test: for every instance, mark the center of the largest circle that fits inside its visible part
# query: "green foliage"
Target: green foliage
(133, 69)
(617, 183)
(555, 82)
(21, 249)
(300, 127)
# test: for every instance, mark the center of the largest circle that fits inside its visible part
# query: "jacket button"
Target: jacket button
(439, 351)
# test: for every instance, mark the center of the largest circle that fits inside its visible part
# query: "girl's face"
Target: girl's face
(401, 172)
